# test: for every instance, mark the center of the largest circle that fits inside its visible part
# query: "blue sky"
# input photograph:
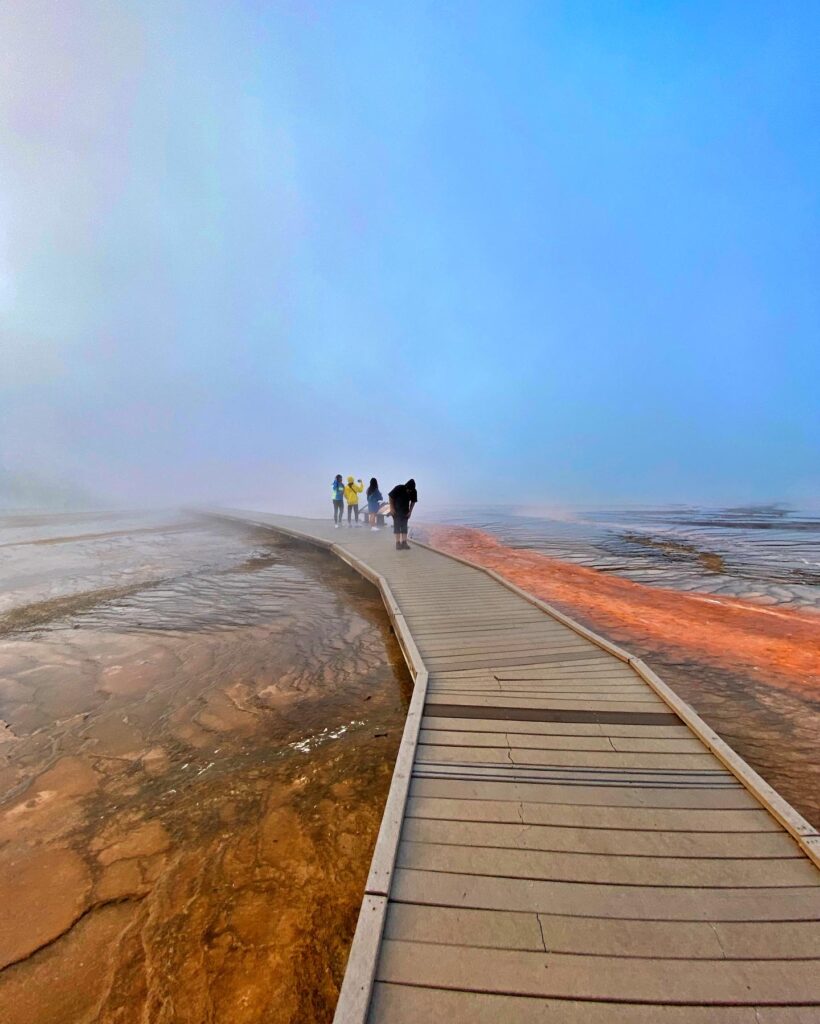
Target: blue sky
(547, 252)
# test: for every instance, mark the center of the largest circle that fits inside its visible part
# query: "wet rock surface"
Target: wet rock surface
(190, 776)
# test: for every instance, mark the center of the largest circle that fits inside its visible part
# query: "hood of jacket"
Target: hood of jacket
(353, 490)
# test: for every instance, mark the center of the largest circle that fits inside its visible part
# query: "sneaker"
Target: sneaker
(335, 526)
(398, 546)
(405, 546)
(374, 529)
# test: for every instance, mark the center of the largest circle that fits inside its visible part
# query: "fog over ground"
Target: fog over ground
(529, 252)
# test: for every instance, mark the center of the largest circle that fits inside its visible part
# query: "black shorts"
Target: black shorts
(400, 523)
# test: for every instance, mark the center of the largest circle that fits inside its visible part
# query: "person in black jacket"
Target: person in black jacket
(403, 499)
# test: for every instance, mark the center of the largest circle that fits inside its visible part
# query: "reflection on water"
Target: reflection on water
(200, 725)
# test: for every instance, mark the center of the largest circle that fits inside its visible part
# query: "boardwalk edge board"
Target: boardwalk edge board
(357, 989)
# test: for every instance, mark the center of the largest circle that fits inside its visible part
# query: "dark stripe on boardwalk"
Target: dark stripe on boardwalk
(547, 715)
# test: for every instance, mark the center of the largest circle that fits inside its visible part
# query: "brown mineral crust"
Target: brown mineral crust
(144, 841)
(69, 777)
(70, 980)
(48, 890)
(120, 880)
(156, 761)
(185, 849)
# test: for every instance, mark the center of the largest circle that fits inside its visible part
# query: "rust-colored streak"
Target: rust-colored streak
(781, 645)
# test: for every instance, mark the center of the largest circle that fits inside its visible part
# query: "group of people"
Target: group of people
(402, 500)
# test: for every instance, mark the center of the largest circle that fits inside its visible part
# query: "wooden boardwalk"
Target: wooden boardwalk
(564, 839)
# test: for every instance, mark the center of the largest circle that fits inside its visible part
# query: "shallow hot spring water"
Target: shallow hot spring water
(193, 766)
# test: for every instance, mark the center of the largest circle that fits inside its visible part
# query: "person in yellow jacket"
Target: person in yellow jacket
(352, 492)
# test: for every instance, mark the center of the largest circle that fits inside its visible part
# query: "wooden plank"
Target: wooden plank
(598, 796)
(539, 741)
(576, 671)
(492, 683)
(498, 662)
(597, 662)
(505, 700)
(467, 616)
(443, 609)
(582, 698)
(445, 629)
(566, 650)
(766, 940)
(677, 940)
(603, 691)
(529, 621)
(586, 899)
(485, 638)
(581, 776)
(568, 976)
(581, 669)
(535, 640)
(604, 841)
(500, 697)
(605, 869)
(467, 654)
(421, 592)
(441, 754)
(525, 713)
(683, 745)
(676, 819)
(428, 601)
(491, 929)
(534, 699)
(496, 615)
(558, 692)
(571, 684)
(579, 696)
(426, 604)
(566, 770)
(404, 1004)
(443, 694)
(544, 645)
(499, 657)
(557, 728)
